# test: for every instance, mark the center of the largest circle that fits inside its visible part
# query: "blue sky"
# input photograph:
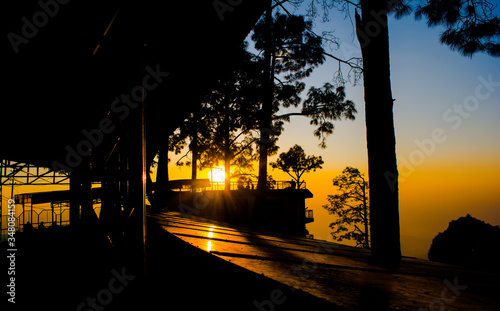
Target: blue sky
(459, 174)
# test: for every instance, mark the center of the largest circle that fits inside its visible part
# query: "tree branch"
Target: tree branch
(286, 115)
(347, 62)
(246, 146)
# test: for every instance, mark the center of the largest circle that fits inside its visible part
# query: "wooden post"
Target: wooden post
(31, 213)
(74, 205)
(22, 204)
(52, 209)
(137, 189)
(86, 202)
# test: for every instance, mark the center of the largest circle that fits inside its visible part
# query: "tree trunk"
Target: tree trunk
(194, 157)
(267, 101)
(162, 171)
(365, 217)
(373, 36)
(227, 148)
(194, 150)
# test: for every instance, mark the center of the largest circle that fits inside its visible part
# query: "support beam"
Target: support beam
(74, 205)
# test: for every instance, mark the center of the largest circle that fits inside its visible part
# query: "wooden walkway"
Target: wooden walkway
(338, 274)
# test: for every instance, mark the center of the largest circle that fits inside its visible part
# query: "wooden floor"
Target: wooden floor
(336, 273)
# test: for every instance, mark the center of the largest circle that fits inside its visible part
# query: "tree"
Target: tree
(351, 207)
(196, 129)
(467, 241)
(471, 28)
(324, 105)
(295, 163)
(223, 128)
(290, 54)
(380, 133)
(175, 143)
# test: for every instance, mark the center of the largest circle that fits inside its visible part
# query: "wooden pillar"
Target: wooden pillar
(88, 215)
(31, 212)
(136, 226)
(22, 204)
(74, 203)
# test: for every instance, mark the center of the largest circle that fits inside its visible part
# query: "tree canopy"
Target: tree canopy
(350, 207)
(295, 163)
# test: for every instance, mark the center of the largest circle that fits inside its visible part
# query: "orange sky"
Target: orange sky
(430, 84)
(429, 199)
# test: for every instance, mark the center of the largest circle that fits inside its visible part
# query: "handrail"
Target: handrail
(35, 221)
(247, 185)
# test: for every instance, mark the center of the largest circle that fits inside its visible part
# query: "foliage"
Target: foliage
(288, 53)
(295, 163)
(223, 128)
(471, 26)
(324, 105)
(350, 207)
(467, 241)
(231, 111)
(297, 52)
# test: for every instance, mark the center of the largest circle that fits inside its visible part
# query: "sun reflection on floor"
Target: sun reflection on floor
(210, 235)
(209, 246)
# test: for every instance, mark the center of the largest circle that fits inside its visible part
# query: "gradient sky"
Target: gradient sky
(455, 174)
(440, 180)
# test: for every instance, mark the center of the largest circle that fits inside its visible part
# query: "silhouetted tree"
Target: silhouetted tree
(467, 241)
(380, 137)
(295, 163)
(171, 143)
(471, 27)
(290, 53)
(223, 128)
(197, 130)
(351, 207)
(322, 106)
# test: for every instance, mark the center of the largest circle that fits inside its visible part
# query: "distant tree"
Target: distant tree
(288, 53)
(171, 143)
(467, 241)
(224, 128)
(350, 207)
(196, 131)
(471, 27)
(295, 163)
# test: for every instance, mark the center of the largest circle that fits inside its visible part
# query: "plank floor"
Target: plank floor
(337, 273)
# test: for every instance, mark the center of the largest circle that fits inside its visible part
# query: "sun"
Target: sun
(217, 174)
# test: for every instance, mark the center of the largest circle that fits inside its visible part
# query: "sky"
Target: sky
(447, 120)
